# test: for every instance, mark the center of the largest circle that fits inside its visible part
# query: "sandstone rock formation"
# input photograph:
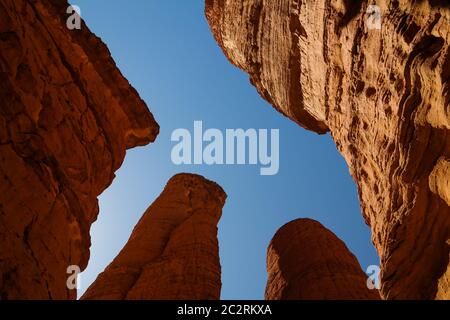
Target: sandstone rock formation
(383, 94)
(173, 251)
(66, 119)
(307, 261)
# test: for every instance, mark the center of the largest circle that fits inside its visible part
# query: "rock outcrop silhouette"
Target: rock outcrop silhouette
(67, 117)
(378, 79)
(306, 261)
(173, 251)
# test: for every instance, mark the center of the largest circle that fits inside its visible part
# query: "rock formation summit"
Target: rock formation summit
(306, 261)
(173, 251)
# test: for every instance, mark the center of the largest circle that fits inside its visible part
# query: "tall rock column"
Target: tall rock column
(378, 79)
(306, 261)
(173, 251)
(67, 117)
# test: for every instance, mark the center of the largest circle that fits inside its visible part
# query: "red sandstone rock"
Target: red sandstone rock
(173, 251)
(306, 261)
(67, 116)
(383, 94)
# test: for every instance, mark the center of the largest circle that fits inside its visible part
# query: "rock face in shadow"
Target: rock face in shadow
(173, 251)
(384, 96)
(66, 119)
(306, 261)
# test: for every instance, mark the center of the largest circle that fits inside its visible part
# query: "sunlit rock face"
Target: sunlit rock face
(67, 116)
(384, 96)
(306, 261)
(173, 251)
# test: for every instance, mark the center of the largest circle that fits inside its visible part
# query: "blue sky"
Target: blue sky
(166, 51)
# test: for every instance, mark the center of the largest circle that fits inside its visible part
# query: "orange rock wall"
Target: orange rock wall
(67, 116)
(384, 97)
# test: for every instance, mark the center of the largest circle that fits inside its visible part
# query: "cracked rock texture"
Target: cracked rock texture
(173, 251)
(67, 116)
(306, 261)
(384, 96)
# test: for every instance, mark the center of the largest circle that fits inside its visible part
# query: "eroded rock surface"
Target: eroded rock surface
(306, 261)
(67, 116)
(383, 94)
(173, 251)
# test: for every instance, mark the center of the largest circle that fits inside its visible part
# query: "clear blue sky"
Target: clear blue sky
(166, 51)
